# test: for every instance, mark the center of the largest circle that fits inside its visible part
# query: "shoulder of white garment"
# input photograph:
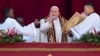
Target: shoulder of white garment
(32, 24)
(95, 14)
(42, 20)
(10, 19)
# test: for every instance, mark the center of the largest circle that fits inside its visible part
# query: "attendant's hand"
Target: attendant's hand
(83, 14)
(69, 32)
(64, 32)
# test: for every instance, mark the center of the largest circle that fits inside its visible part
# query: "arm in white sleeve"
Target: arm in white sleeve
(28, 30)
(85, 25)
(44, 26)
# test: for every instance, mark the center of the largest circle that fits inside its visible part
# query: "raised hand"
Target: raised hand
(83, 14)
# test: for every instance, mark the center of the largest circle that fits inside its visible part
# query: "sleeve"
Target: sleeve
(28, 30)
(44, 26)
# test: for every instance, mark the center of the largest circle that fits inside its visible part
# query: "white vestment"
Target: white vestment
(33, 39)
(28, 30)
(44, 27)
(87, 25)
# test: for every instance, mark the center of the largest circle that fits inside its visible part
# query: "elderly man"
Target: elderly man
(51, 27)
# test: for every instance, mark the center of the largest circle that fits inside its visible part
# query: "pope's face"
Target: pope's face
(54, 12)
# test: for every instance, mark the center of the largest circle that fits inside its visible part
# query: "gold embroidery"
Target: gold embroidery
(50, 49)
(51, 32)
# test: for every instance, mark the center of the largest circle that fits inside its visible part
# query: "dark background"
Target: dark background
(37, 9)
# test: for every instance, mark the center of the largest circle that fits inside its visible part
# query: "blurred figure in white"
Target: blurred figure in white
(91, 21)
(9, 23)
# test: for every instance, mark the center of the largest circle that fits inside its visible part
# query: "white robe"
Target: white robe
(28, 30)
(87, 25)
(44, 27)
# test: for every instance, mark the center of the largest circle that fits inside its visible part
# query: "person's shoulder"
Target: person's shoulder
(13, 19)
(10, 20)
(43, 19)
(94, 14)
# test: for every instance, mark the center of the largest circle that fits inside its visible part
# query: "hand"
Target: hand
(50, 19)
(83, 14)
(65, 32)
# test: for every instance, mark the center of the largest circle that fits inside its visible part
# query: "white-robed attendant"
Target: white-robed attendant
(88, 24)
(10, 23)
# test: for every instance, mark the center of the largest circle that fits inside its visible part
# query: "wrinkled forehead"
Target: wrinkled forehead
(54, 8)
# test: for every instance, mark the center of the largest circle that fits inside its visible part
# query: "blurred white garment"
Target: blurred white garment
(87, 25)
(28, 30)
